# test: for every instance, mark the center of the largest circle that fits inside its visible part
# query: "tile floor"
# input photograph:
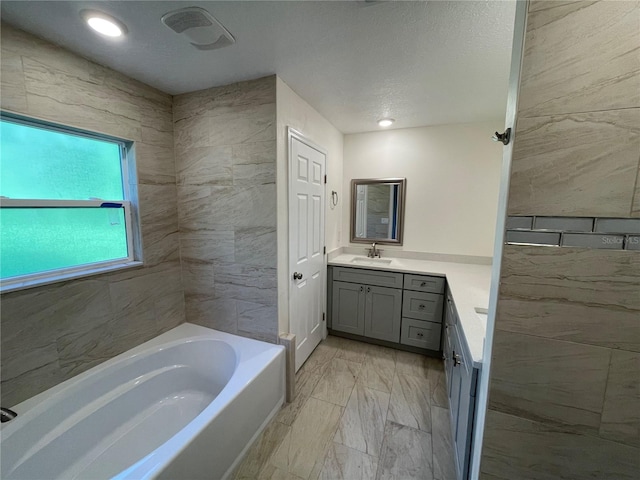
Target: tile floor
(361, 412)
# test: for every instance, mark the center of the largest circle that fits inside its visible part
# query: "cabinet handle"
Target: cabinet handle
(368, 289)
(421, 306)
(361, 288)
(423, 284)
(420, 334)
(456, 359)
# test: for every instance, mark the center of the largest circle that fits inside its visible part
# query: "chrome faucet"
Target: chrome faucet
(7, 414)
(373, 252)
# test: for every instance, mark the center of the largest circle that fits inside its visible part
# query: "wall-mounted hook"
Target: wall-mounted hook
(334, 198)
(502, 137)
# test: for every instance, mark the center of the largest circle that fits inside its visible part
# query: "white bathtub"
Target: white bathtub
(185, 405)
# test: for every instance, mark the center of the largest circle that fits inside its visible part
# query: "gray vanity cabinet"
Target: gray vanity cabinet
(462, 379)
(370, 307)
(400, 309)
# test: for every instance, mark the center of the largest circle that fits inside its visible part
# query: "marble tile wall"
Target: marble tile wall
(564, 393)
(225, 145)
(54, 332)
(578, 128)
(582, 164)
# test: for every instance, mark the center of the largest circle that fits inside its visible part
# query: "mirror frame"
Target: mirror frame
(401, 194)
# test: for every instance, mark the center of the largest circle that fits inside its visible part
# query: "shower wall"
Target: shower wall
(564, 393)
(53, 332)
(225, 144)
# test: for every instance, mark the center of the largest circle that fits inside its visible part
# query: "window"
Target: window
(65, 207)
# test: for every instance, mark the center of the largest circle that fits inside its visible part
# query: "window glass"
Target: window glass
(35, 240)
(65, 209)
(38, 163)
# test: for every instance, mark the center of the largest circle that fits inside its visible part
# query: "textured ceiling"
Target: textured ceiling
(422, 63)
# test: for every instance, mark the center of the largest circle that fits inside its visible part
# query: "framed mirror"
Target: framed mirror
(377, 210)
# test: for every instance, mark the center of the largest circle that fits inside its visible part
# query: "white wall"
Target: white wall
(453, 177)
(293, 111)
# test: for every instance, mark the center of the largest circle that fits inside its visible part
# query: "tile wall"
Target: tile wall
(225, 144)
(564, 395)
(54, 332)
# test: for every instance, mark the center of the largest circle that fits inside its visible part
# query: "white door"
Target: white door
(306, 245)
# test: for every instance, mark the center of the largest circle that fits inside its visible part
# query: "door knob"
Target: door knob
(502, 137)
(297, 276)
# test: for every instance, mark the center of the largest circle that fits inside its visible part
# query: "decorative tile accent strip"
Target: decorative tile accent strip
(632, 242)
(617, 225)
(533, 238)
(564, 224)
(585, 232)
(593, 240)
(517, 223)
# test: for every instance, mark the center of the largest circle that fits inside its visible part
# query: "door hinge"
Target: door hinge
(325, 179)
(324, 250)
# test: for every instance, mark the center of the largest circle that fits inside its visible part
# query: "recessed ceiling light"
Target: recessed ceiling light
(103, 23)
(386, 122)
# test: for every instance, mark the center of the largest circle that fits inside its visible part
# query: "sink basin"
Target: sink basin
(371, 261)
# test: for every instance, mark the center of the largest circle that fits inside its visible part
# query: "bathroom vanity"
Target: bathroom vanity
(437, 308)
(397, 308)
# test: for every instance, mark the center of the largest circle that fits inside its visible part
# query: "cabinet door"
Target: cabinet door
(383, 313)
(462, 403)
(450, 312)
(464, 426)
(348, 308)
(455, 389)
(454, 395)
(450, 323)
(447, 352)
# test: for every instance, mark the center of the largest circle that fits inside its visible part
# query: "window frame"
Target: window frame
(129, 204)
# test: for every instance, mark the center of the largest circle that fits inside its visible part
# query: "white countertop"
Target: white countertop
(469, 285)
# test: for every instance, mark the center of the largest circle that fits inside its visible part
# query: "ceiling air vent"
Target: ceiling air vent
(200, 27)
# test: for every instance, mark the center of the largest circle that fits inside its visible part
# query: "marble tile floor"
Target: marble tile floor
(361, 412)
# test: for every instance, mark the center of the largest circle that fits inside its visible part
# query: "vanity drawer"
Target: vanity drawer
(379, 278)
(420, 334)
(422, 283)
(422, 306)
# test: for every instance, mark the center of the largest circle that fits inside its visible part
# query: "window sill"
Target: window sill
(65, 277)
